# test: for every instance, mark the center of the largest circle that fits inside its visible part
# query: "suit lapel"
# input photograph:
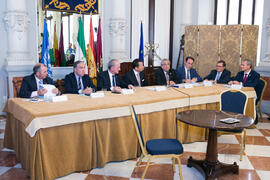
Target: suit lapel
(108, 78)
(34, 82)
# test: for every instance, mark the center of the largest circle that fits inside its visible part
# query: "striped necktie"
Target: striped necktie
(79, 84)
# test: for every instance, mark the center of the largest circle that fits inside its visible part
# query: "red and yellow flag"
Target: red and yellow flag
(91, 53)
(55, 48)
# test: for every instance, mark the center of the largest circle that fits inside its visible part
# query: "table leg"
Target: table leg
(211, 167)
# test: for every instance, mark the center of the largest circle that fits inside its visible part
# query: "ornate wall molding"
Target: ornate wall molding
(118, 27)
(17, 21)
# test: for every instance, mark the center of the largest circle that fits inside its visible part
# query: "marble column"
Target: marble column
(21, 46)
(266, 60)
(118, 30)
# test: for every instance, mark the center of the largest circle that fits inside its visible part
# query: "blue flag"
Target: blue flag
(141, 53)
(45, 53)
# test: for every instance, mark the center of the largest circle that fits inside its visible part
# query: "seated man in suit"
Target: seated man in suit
(187, 74)
(164, 75)
(78, 82)
(247, 77)
(110, 79)
(32, 84)
(136, 75)
(220, 74)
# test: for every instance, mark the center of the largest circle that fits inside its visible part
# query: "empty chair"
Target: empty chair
(260, 88)
(157, 148)
(235, 101)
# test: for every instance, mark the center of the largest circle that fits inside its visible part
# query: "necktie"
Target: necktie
(40, 84)
(218, 76)
(245, 78)
(167, 77)
(138, 79)
(113, 81)
(79, 84)
(188, 74)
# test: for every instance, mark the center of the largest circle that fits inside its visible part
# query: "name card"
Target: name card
(59, 98)
(97, 95)
(188, 85)
(127, 91)
(207, 83)
(160, 88)
(236, 86)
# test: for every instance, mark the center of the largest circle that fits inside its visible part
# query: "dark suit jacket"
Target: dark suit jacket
(103, 81)
(29, 85)
(160, 78)
(224, 78)
(252, 79)
(181, 73)
(71, 85)
(130, 78)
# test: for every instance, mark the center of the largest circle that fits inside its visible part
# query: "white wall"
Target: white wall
(3, 54)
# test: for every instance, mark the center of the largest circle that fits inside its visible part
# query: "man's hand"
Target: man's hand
(116, 89)
(55, 91)
(87, 90)
(171, 83)
(130, 86)
(194, 79)
(42, 91)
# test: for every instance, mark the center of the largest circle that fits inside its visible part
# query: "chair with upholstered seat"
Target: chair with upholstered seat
(157, 148)
(235, 101)
(260, 88)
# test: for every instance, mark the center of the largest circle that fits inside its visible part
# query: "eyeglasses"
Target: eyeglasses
(219, 66)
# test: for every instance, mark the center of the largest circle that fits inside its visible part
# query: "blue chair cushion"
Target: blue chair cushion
(234, 131)
(164, 146)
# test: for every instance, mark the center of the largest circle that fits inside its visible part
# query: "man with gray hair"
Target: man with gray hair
(247, 77)
(165, 75)
(110, 79)
(32, 84)
(78, 82)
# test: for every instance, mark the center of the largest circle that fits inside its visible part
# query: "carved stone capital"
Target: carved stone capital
(118, 27)
(17, 21)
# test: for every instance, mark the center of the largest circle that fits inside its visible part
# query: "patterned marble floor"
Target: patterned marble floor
(255, 164)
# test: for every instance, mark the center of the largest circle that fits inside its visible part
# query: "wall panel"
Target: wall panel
(230, 47)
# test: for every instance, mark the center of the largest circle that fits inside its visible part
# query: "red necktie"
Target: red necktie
(245, 78)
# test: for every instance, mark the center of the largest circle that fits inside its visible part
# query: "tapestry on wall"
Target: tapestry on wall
(210, 43)
(78, 6)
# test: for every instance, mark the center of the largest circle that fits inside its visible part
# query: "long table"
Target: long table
(55, 139)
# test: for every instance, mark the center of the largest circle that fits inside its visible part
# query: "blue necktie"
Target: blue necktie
(40, 84)
(113, 81)
(218, 76)
(79, 84)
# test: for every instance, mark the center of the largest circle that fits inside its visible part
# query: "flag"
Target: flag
(99, 49)
(45, 55)
(91, 53)
(80, 46)
(141, 53)
(55, 48)
(62, 56)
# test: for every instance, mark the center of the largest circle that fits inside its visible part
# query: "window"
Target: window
(240, 12)
(68, 27)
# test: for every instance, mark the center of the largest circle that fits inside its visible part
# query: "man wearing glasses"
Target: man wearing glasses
(187, 74)
(219, 75)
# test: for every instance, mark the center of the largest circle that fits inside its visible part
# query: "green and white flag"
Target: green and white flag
(80, 46)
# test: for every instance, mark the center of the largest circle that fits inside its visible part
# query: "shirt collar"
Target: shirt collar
(135, 72)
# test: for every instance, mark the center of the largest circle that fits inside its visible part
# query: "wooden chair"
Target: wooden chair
(157, 148)
(60, 84)
(17, 82)
(260, 88)
(235, 101)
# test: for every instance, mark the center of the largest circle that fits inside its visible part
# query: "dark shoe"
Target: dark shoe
(256, 120)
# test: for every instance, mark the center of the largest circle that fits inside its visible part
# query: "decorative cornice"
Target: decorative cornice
(17, 21)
